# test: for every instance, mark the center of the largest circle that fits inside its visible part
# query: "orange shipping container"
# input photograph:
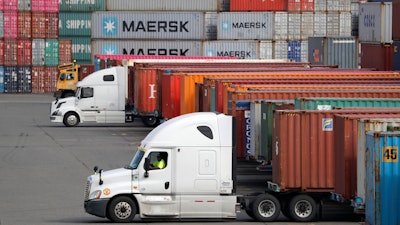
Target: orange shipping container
(24, 25)
(38, 25)
(64, 51)
(258, 5)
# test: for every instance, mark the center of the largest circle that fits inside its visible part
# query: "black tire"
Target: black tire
(150, 121)
(71, 119)
(266, 208)
(303, 208)
(122, 210)
(250, 213)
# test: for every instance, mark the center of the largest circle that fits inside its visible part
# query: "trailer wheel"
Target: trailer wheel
(122, 210)
(266, 208)
(303, 208)
(150, 121)
(71, 119)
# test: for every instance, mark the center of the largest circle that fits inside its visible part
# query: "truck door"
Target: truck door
(157, 186)
(87, 104)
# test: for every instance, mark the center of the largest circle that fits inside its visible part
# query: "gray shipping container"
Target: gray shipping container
(294, 26)
(24, 5)
(148, 25)
(333, 51)
(375, 22)
(163, 5)
(240, 49)
(319, 24)
(245, 26)
(281, 26)
(1, 24)
(142, 47)
(38, 52)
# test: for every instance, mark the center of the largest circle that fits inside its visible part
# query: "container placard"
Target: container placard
(390, 154)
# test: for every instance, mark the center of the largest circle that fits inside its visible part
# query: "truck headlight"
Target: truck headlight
(95, 194)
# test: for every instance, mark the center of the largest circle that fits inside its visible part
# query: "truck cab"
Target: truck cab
(67, 80)
(196, 182)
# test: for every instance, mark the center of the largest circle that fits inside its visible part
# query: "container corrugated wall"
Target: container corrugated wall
(323, 103)
(396, 20)
(239, 49)
(251, 5)
(82, 6)
(148, 25)
(383, 183)
(147, 91)
(376, 22)
(377, 55)
(75, 24)
(162, 5)
(1, 79)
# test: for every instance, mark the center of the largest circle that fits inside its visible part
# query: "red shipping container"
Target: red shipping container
(258, 5)
(10, 5)
(396, 20)
(51, 6)
(1, 52)
(51, 25)
(170, 95)
(294, 5)
(10, 52)
(38, 5)
(64, 51)
(85, 70)
(24, 25)
(10, 24)
(38, 79)
(378, 56)
(50, 79)
(147, 88)
(24, 57)
(1, 5)
(307, 5)
(38, 25)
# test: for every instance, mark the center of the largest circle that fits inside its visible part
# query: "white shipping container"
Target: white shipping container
(294, 26)
(145, 47)
(245, 25)
(281, 26)
(304, 51)
(162, 5)
(38, 52)
(280, 50)
(333, 24)
(148, 25)
(239, 49)
(319, 24)
(320, 5)
(375, 22)
(338, 5)
(266, 50)
(307, 25)
(345, 24)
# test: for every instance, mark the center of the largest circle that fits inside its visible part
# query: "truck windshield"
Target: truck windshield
(136, 159)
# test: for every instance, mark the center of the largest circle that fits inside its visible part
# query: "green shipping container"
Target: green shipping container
(51, 52)
(81, 6)
(74, 24)
(330, 103)
(81, 49)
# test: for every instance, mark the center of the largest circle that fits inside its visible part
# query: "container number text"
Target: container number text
(390, 154)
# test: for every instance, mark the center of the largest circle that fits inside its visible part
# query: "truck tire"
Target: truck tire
(303, 208)
(71, 119)
(150, 121)
(122, 210)
(266, 208)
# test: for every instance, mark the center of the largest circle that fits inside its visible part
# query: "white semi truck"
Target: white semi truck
(198, 181)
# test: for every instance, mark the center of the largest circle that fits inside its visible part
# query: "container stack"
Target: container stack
(396, 34)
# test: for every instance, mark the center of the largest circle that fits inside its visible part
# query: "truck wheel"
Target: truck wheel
(122, 210)
(150, 121)
(302, 208)
(71, 119)
(266, 208)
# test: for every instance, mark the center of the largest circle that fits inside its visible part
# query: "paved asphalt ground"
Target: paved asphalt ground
(43, 166)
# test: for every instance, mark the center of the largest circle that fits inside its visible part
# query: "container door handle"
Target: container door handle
(166, 185)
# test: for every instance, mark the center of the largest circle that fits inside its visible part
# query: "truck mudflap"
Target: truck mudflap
(97, 207)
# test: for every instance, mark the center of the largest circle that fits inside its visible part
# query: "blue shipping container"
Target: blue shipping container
(24, 79)
(294, 51)
(396, 55)
(1, 79)
(383, 178)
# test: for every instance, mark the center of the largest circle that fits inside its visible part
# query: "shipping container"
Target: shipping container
(383, 183)
(44, 6)
(1, 79)
(319, 24)
(74, 24)
(38, 52)
(345, 24)
(38, 77)
(86, 70)
(38, 25)
(24, 5)
(1, 24)
(331, 103)
(51, 52)
(245, 25)
(378, 56)
(294, 51)
(238, 49)
(24, 53)
(280, 26)
(51, 25)
(396, 55)
(10, 24)
(355, 11)
(148, 25)
(82, 6)
(307, 25)
(320, 5)
(64, 51)
(280, 50)
(50, 79)
(163, 5)
(81, 49)
(2, 52)
(10, 5)
(338, 5)
(24, 79)
(294, 26)
(10, 52)
(10, 79)
(375, 22)
(24, 25)
(332, 24)
(253, 5)
(396, 20)
(333, 51)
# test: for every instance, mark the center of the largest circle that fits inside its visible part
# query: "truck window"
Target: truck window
(108, 78)
(158, 160)
(87, 92)
(206, 131)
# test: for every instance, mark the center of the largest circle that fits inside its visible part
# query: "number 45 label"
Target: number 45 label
(390, 154)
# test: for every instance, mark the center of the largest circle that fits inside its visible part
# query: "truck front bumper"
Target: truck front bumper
(97, 207)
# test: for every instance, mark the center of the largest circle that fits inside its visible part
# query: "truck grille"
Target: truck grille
(87, 190)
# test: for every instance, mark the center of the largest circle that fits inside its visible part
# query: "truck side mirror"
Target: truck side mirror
(146, 167)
